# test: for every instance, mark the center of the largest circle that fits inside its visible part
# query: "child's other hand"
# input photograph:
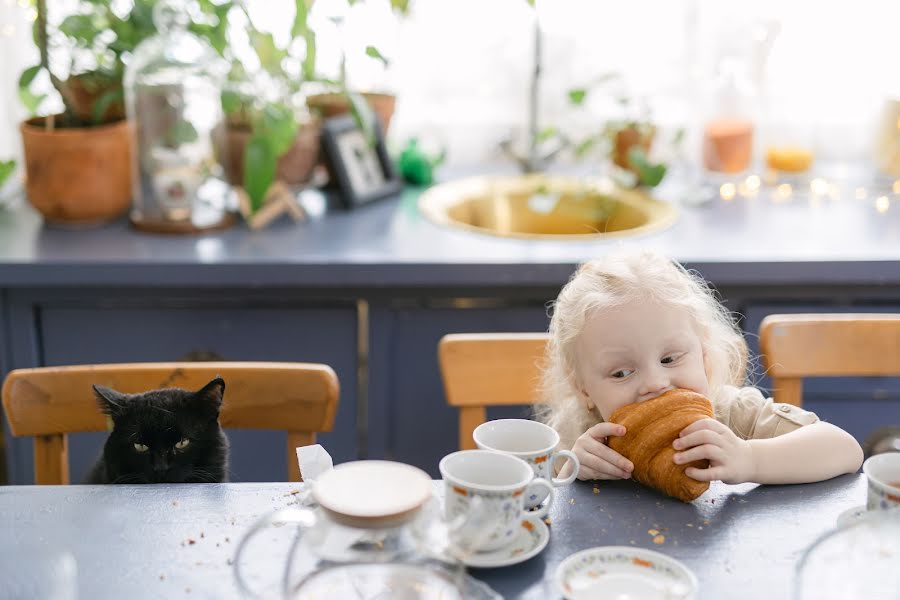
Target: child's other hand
(599, 461)
(730, 457)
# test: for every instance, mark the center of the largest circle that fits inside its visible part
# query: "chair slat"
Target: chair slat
(827, 345)
(489, 369)
(300, 398)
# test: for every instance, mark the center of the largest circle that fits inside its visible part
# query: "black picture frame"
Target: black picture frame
(362, 172)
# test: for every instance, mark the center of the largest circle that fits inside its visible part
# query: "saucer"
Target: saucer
(529, 540)
(851, 515)
(624, 573)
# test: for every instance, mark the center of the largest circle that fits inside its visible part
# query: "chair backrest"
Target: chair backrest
(827, 345)
(50, 402)
(489, 369)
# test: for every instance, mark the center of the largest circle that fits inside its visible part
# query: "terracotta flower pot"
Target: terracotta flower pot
(294, 167)
(627, 138)
(78, 176)
(83, 93)
(332, 105)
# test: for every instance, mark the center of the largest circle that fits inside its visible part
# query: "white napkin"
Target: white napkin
(314, 461)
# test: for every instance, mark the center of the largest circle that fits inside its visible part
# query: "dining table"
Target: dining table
(178, 540)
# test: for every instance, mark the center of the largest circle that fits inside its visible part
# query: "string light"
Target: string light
(860, 193)
(818, 186)
(727, 191)
(783, 192)
(882, 204)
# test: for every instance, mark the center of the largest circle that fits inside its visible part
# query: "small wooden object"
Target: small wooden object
(279, 200)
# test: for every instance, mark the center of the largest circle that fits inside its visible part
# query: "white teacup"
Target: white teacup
(498, 481)
(883, 473)
(533, 442)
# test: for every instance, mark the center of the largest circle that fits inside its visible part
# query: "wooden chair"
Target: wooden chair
(51, 402)
(489, 369)
(827, 345)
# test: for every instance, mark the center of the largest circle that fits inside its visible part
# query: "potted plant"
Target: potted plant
(627, 141)
(269, 138)
(78, 162)
(342, 99)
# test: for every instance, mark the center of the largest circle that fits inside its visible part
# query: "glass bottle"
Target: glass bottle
(172, 95)
(731, 117)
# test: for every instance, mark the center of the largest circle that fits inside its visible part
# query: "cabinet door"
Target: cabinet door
(857, 404)
(123, 334)
(411, 421)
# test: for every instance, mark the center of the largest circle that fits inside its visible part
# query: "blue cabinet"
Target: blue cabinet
(409, 419)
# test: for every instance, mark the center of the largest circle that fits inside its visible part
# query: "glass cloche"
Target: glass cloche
(172, 96)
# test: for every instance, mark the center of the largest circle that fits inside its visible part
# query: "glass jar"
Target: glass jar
(172, 95)
(887, 145)
(377, 531)
(730, 119)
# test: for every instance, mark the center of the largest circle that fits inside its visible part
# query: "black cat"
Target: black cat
(163, 436)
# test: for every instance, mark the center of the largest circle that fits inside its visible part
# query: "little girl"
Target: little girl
(631, 326)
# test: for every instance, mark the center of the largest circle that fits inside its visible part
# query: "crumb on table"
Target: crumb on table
(659, 539)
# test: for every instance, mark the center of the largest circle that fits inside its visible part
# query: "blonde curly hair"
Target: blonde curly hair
(617, 279)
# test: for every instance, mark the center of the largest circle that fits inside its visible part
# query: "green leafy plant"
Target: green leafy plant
(6, 170)
(100, 34)
(627, 140)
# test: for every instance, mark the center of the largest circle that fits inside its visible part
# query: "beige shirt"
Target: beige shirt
(752, 416)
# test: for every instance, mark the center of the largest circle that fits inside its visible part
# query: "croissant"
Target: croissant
(650, 429)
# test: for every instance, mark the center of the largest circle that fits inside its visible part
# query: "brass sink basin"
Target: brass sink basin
(545, 207)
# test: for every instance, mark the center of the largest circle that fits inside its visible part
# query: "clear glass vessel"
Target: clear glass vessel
(172, 95)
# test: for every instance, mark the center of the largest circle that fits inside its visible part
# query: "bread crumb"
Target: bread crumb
(688, 524)
(706, 521)
(632, 542)
(571, 500)
(660, 539)
(596, 490)
(548, 521)
(191, 541)
(653, 532)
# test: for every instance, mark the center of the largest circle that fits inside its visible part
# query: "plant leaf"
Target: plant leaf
(270, 56)
(400, 6)
(309, 63)
(301, 13)
(577, 96)
(363, 115)
(374, 53)
(278, 127)
(28, 75)
(6, 169)
(231, 101)
(547, 133)
(30, 101)
(649, 174)
(585, 146)
(259, 170)
(104, 102)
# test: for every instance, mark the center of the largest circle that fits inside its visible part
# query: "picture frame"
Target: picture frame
(362, 172)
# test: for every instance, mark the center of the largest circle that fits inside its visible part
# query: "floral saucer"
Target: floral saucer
(624, 573)
(530, 538)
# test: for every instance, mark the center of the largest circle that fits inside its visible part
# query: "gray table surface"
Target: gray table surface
(177, 541)
(747, 241)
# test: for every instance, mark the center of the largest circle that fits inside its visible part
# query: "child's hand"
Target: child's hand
(599, 461)
(730, 457)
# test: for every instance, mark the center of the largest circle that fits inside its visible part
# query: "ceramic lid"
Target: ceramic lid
(372, 493)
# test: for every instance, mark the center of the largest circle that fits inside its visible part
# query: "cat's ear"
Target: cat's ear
(210, 396)
(111, 402)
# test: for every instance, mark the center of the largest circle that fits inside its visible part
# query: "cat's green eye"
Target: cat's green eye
(183, 443)
(141, 447)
